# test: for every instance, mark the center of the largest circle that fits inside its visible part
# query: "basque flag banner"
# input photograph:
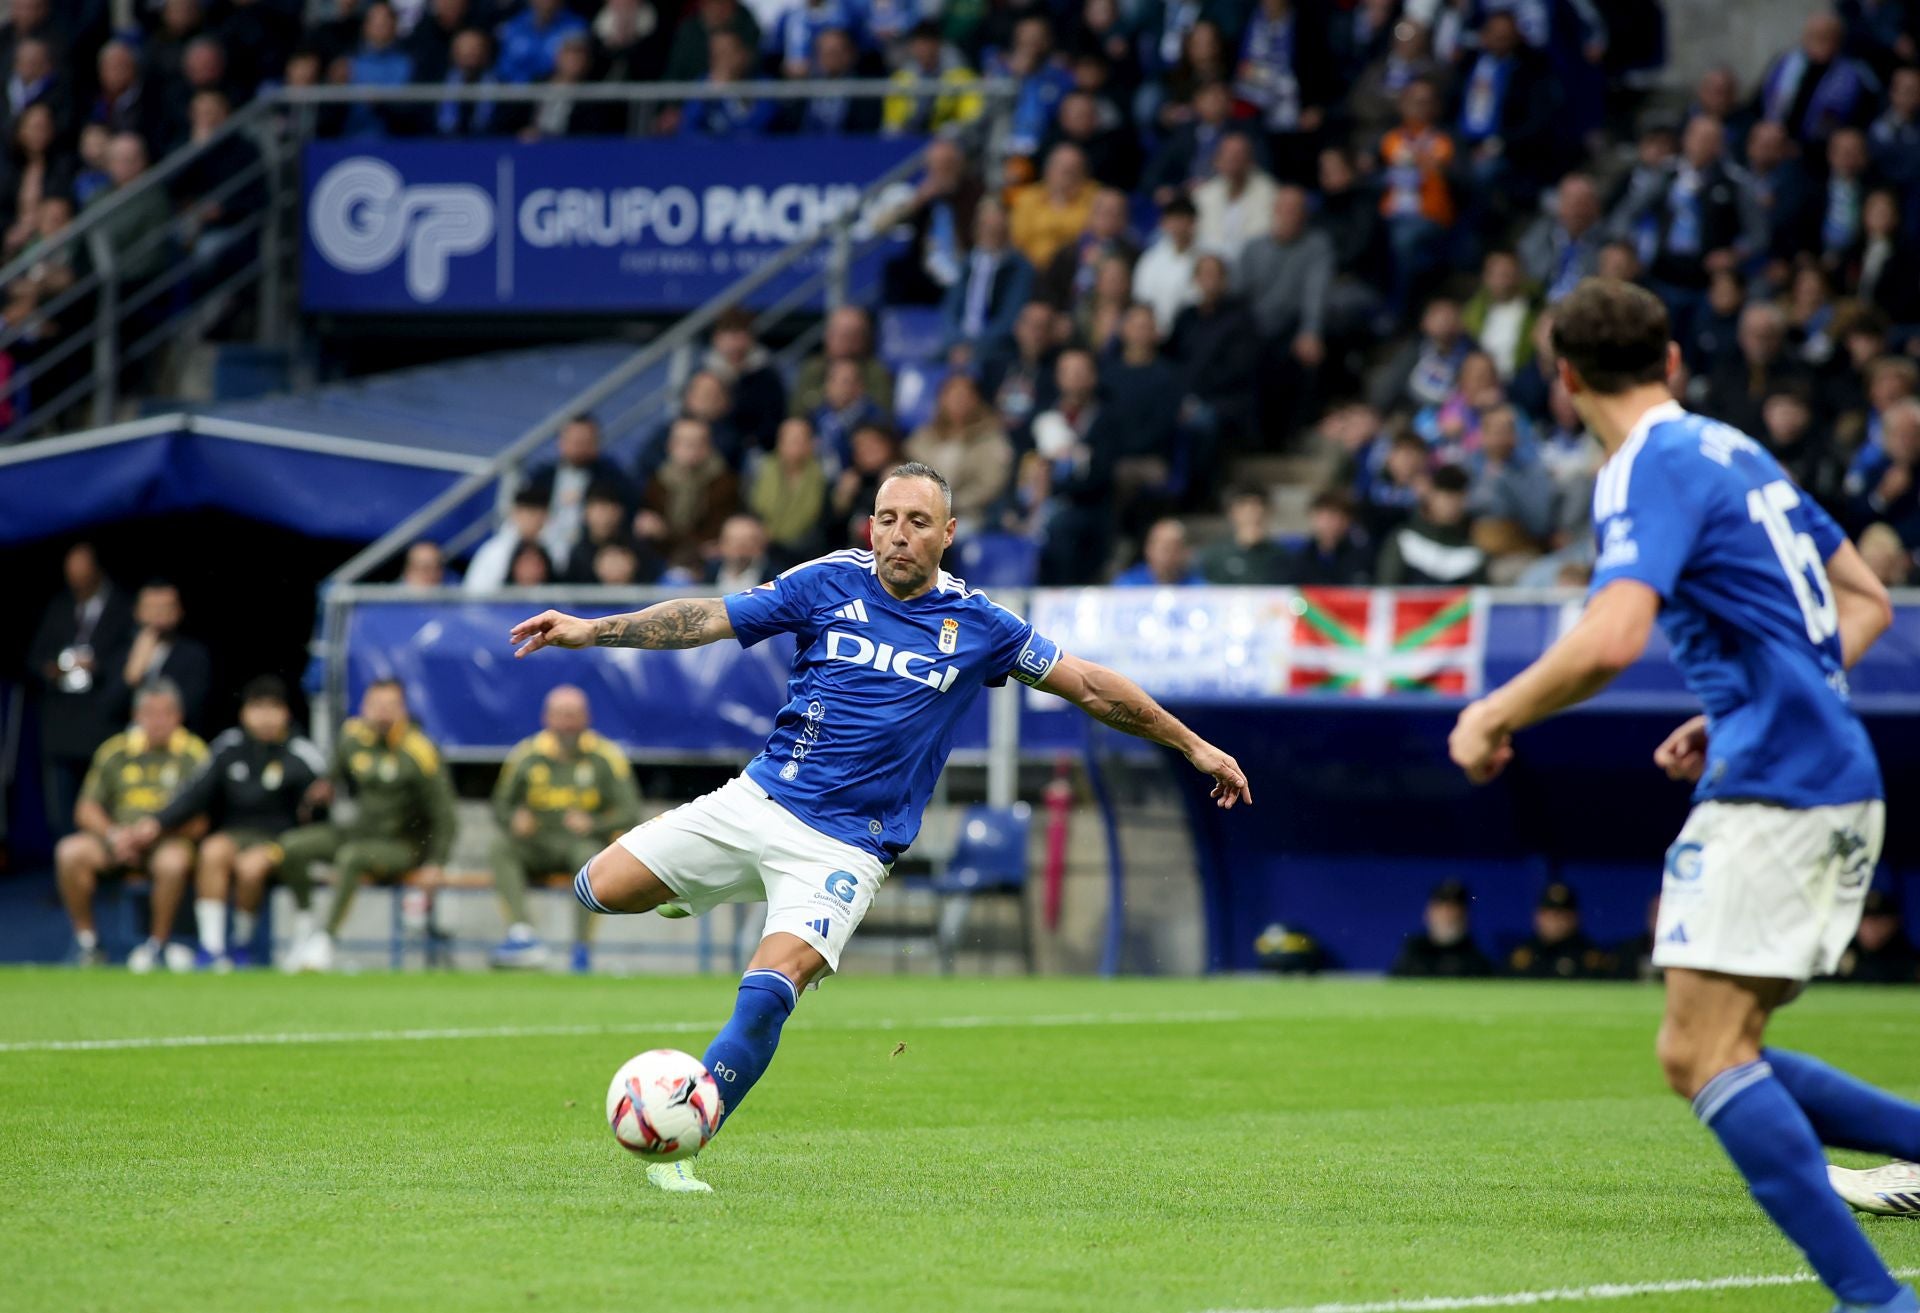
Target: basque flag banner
(1368, 642)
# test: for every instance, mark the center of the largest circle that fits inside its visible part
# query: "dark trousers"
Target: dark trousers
(62, 777)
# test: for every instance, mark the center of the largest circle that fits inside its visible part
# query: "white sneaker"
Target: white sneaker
(317, 952)
(677, 1178)
(178, 957)
(1890, 1191)
(144, 958)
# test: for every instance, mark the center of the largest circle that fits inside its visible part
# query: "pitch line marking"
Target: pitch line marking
(560, 1032)
(1565, 1295)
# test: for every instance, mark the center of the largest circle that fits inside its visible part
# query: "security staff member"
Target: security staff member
(1559, 949)
(403, 822)
(563, 795)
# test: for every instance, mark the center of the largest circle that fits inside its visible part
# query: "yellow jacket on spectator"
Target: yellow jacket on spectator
(900, 113)
(1041, 226)
(132, 778)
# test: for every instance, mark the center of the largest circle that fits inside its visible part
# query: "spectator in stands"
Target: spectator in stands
(78, 649)
(1512, 498)
(1140, 384)
(1717, 95)
(1881, 953)
(559, 114)
(1891, 560)
(1894, 137)
(1780, 190)
(530, 41)
(1736, 391)
(789, 492)
(334, 38)
(380, 61)
(617, 564)
(33, 170)
(1186, 155)
(691, 494)
(1500, 314)
(1284, 74)
(1436, 546)
(1698, 221)
(630, 41)
(126, 101)
(1050, 214)
(133, 776)
(1388, 469)
(1166, 560)
(966, 443)
(1111, 151)
(260, 780)
(426, 566)
(34, 79)
(1883, 483)
(1204, 59)
(844, 408)
(526, 523)
(757, 393)
(834, 59)
(1443, 947)
(742, 558)
(579, 466)
(1558, 948)
(1333, 554)
(472, 66)
(1098, 316)
(1842, 200)
(562, 795)
(1068, 280)
(402, 821)
(30, 20)
(875, 452)
(1563, 247)
(729, 64)
(1803, 450)
(1217, 349)
(1814, 89)
(1349, 214)
(1713, 340)
(1504, 121)
(1885, 268)
(995, 281)
(1373, 104)
(1286, 277)
(848, 336)
(930, 59)
(1042, 82)
(1235, 205)
(161, 652)
(606, 513)
(1810, 311)
(1163, 278)
(690, 60)
(1633, 960)
(1620, 261)
(1068, 482)
(1417, 159)
(531, 567)
(1248, 554)
(1424, 371)
(1452, 427)
(432, 39)
(213, 228)
(941, 216)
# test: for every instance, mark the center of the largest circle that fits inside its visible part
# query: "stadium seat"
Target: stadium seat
(910, 335)
(989, 858)
(915, 389)
(997, 560)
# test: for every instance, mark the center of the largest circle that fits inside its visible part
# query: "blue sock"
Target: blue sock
(1773, 1144)
(740, 1053)
(1847, 1113)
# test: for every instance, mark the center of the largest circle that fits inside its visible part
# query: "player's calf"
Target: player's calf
(212, 877)
(78, 860)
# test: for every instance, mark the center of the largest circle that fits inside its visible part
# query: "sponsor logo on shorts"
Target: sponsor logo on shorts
(1848, 850)
(1684, 862)
(841, 885)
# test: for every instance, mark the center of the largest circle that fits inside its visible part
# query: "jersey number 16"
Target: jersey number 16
(1799, 557)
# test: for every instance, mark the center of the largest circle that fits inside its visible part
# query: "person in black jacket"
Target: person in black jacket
(1558, 949)
(1217, 349)
(1443, 946)
(1334, 554)
(160, 651)
(76, 656)
(1881, 953)
(1700, 218)
(1070, 481)
(259, 781)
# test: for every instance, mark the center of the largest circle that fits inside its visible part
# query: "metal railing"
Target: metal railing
(111, 318)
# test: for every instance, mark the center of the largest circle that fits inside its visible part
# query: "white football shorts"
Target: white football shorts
(737, 845)
(1754, 889)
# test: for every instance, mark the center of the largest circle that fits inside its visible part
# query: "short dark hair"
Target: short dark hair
(1451, 478)
(531, 495)
(1246, 492)
(914, 469)
(1180, 207)
(1333, 499)
(389, 681)
(264, 688)
(1614, 335)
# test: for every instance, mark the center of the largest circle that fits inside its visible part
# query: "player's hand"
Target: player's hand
(1684, 755)
(1229, 781)
(429, 877)
(1479, 744)
(524, 823)
(551, 629)
(578, 821)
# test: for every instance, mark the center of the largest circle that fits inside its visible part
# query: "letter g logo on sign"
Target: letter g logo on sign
(362, 215)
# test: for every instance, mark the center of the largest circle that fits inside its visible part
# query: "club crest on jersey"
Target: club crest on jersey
(885, 657)
(949, 636)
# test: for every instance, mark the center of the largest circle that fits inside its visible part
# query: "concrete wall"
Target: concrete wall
(1745, 34)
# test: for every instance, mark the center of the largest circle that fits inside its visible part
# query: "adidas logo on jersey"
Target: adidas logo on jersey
(856, 610)
(884, 657)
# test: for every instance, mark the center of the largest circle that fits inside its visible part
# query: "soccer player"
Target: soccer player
(1766, 605)
(891, 652)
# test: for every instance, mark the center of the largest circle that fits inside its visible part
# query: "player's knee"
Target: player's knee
(76, 856)
(616, 883)
(218, 851)
(253, 867)
(170, 863)
(1682, 1060)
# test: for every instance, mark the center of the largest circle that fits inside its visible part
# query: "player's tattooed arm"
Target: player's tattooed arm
(682, 622)
(1116, 701)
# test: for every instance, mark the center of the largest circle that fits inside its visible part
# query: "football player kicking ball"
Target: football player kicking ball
(891, 651)
(1766, 605)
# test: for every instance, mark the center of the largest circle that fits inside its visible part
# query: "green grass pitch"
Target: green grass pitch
(1039, 1145)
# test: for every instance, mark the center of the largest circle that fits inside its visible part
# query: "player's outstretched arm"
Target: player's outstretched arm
(1610, 636)
(1866, 612)
(682, 622)
(1113, 699)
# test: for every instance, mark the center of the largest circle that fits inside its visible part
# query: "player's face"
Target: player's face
(566, 713)
(265, 719)
(383, 708)
(158, 717)
(911, 530)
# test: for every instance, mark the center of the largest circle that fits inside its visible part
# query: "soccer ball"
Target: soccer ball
(663, 1105)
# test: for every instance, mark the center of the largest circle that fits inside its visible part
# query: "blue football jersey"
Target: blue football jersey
(1703, 515)
(878, 686)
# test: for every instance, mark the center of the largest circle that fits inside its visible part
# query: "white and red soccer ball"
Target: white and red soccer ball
(663, 1105)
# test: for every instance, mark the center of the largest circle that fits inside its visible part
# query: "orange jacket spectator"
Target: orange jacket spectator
(1415, 159)
(1047, 215)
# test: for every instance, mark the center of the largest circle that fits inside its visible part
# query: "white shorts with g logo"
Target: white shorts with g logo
(737, 845)
(1753, 889)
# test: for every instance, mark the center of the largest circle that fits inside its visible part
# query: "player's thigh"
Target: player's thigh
(818, 890)
(82, 852)
(218, 851)
(259, 856)
(1714, 1021)
(376, 859)
(700, 855)
(310, 843)
(170, 859)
